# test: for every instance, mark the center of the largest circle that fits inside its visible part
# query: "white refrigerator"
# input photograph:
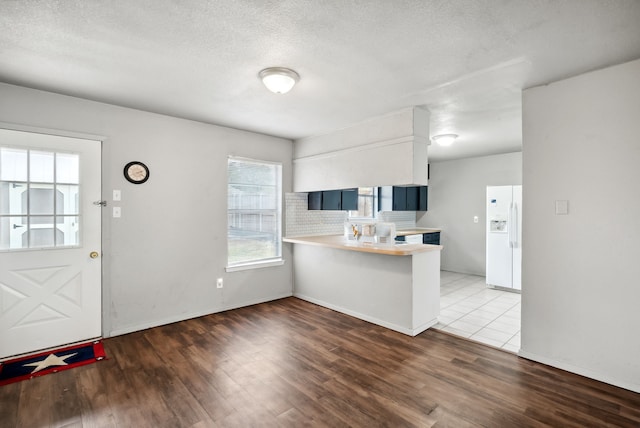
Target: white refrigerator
(504, 237)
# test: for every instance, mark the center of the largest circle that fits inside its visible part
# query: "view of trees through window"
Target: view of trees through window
(253, 211)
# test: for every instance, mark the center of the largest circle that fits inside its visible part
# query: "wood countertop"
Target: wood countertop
(339, 242)
(416, 231)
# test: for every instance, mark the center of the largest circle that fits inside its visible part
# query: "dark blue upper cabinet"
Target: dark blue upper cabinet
(397, 198)
(332, 200)
(314, 201)
(336, 200)
(423, 197)
(412, 199)
(350, 199)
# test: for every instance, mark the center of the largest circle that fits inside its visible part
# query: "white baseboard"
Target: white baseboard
(183, 317)
(580, 371)
(364, 317)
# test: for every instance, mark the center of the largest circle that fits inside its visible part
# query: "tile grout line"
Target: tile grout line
(485, 304)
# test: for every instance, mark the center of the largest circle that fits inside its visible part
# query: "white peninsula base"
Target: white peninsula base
(399, 292)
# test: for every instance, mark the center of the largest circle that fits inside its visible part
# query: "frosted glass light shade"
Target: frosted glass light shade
(445, 139)
(278, 79)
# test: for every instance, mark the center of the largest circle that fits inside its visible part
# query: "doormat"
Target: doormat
(52, 361)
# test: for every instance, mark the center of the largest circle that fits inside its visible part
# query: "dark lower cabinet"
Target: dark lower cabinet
(431, 238)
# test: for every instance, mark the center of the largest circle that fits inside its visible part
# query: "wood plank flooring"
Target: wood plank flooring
(289, 363)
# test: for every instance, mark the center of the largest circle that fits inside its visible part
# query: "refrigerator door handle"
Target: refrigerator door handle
(510, 225)
(515, 225)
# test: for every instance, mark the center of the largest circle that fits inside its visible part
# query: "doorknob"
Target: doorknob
(94, 254)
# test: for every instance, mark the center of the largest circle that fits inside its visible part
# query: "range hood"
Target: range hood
(386, 150)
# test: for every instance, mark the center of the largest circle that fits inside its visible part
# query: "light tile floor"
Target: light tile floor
(471, 310)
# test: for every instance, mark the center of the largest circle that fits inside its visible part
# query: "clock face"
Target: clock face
(136, 172)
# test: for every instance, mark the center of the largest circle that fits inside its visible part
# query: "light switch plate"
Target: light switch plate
(475, 218)
(562, 207)
(117, 195)
(117, 213)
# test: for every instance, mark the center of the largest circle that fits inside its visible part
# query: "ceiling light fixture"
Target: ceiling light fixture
(279, 80)
(444, 139)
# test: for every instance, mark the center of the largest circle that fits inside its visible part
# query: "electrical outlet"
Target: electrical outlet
(117, 213)
(219, 283)
(475, 218)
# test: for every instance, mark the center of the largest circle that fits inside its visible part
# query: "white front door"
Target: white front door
(50, 282)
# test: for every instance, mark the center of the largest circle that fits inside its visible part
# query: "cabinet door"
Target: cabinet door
(350, 199)
(431, 238)
(412, 198)
(423, 193)
(314, 201)
(332, 200)
(399, 198)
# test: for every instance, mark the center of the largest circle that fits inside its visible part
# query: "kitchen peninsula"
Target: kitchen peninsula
(394, 286)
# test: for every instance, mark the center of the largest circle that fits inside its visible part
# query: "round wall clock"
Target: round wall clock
(136, 172)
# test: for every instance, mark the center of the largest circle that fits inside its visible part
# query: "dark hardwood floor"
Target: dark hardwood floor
(290, 363)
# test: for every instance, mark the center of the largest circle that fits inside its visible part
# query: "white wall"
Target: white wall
(457, 192)
(581, 271)
(162, 257)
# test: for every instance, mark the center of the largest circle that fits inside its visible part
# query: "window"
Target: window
(254, 206)
(367, 203)
(39, 199)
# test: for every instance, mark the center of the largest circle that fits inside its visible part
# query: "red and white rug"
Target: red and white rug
(51, 361)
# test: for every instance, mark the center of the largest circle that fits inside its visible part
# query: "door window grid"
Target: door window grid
(39, 199)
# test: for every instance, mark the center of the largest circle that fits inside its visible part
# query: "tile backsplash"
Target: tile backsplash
(302, 222)
(402, 219)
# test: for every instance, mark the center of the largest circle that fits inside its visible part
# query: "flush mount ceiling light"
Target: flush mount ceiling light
(444, 139)
(279, 80)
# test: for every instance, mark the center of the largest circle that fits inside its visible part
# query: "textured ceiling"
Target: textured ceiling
(466, 61)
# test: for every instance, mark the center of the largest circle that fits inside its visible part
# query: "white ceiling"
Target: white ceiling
(466, 61)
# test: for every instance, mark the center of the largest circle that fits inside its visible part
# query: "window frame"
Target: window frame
(374, 205)
(263, 262)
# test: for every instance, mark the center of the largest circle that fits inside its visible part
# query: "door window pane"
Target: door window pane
(67, 168)
(41, 199)
(11, 232)
(67, 199)
(68, 231)
(12, 195)
(13, 164)
(41, 233)
(41, 166)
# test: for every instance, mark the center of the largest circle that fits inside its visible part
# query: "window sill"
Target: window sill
(256, 265)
